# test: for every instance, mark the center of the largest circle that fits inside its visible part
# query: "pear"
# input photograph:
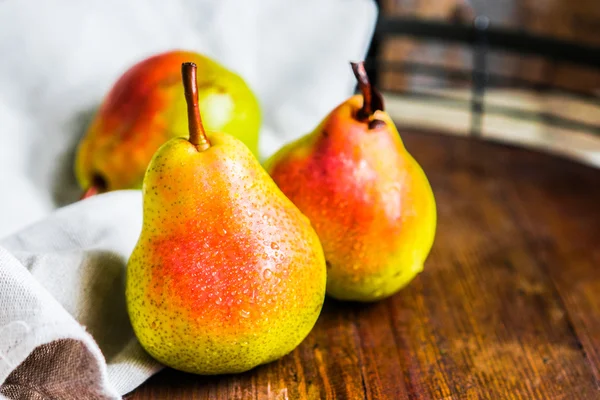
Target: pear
(227, 273)
(146, 107)
(368, 199)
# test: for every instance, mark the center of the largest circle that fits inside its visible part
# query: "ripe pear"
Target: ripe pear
(146, 107)
(368, 199)
(227, 273)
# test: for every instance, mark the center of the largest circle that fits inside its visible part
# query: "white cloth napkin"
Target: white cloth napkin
(64, 331)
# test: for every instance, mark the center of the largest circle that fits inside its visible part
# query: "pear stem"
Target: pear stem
(372, 99)
(97, 186)
(190, 85)
(89, 192)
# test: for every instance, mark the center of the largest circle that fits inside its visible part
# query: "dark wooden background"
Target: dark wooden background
(508, 305)
(577, 21)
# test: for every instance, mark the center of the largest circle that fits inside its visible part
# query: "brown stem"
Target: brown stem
(197, 133)
(372, 99)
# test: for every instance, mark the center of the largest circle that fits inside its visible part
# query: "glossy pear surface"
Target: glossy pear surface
(366, 196)
(227, 273)
(146, 107)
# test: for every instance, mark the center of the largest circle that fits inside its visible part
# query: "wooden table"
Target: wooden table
(508, 305)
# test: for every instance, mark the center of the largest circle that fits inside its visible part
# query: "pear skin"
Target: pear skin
(227, 273)
(146, 107)
(368, 199)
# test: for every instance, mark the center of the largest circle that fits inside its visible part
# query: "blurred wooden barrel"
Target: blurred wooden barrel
(533, 101)
(576, 21)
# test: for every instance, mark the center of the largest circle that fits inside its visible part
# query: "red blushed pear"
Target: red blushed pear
(227, 273)
(366, 196)
(146, 107)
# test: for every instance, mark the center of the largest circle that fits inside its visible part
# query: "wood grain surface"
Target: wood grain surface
(508, 306)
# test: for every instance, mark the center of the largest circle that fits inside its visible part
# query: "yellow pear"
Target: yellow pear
(227, 273)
